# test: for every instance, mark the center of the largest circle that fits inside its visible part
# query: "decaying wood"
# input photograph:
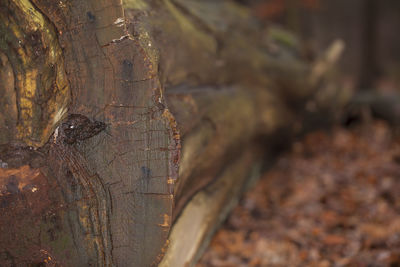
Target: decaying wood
(208, 208)
(117, 115)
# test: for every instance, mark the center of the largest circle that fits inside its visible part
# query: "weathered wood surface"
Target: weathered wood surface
(96, 97)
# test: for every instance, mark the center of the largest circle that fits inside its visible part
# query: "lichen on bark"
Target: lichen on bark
(42, 91)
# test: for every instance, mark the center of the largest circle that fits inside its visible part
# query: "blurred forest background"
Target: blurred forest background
(334, 198)
(369, 29)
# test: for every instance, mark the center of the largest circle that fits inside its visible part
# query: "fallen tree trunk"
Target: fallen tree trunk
(117, 115)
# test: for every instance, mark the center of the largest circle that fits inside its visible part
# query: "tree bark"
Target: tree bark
(117, 115)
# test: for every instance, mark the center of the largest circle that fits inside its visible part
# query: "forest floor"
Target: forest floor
(333, 200)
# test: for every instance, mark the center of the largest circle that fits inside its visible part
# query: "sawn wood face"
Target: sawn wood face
(127, 171)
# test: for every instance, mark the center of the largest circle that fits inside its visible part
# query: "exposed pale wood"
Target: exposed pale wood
(208, 208)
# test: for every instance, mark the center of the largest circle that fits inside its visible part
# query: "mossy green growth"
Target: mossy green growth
(282, 36)
(135, 4)
(147, 43)
(198, 37)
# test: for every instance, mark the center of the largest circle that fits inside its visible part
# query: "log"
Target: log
(118, 117)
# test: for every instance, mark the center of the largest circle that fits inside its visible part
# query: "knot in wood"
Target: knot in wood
(78, 127)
